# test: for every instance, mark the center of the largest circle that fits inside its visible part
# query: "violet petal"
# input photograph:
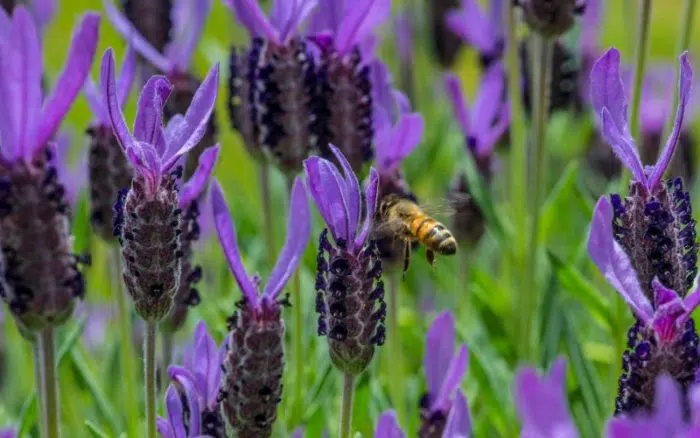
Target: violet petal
(459, 423)
(388, 426)
(181, 50)
(351, 190)
(360, 19)
(112, 103)
(126, 75)
(198, 181)
(148, 124)
(371, 195)
(251, 16)
(439, 348)
(472, 25)
(452, 379)
(453, 88)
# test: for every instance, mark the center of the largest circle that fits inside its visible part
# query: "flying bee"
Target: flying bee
(400, 218)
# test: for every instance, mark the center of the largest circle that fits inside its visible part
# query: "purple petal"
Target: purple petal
(472, 25)
(684, 86)
(227, 238)
(326, 187)
(43, 12)
(135, 39)
(297, 16)
(439, 348)
(164, 428)
(613, 262)
(205, 366)
(298, 432)
(452, 379)
(148, 126)
(175, 410)
(10, 432)
(607, 90)
(486, 143)
(198, 182)
(403, 139)
(667, 402)
(360, 19)
(351, 190)
(194, 125)
(73, 178)
(146, 162)
(388, 426)
(327, 17)
(5, 25)
(489, 101)
(112, 103)
(181, 50)
(694, 400)
(72, 78)
(459, 104)
(252, 17)
(97, 106)
(22, 71)
(126, 75)
(371, 194)
(541, 404)
(623, 147)
(459, 423)
(298, 232)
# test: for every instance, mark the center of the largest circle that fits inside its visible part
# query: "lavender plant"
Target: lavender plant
(254, 362)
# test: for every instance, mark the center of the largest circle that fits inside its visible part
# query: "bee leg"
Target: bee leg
(430, 255)
(406, 255)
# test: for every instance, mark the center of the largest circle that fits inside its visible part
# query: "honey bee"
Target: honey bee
(400, 218)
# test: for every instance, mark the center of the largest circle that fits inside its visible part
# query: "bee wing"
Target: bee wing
(444, 208)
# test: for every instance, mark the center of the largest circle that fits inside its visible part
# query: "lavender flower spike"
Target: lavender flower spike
(485, 33)
(109, 170)
(174, 61)
(147, 216)
(388, 426)
(254, 364)
(198, 383)
(609, 101)
(40, 278)
(663, 340)
(273, 84)
(443, 407)
(347, 299)
(541, 403)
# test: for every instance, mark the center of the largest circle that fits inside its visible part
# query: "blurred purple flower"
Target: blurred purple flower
(483, 32)
(298, 433)
(444, 410)
(283, 23)
(488, 119)
(39, 293)
(153, 203)
(664, 339)
(8, 433)
(98, 317)
(347, 299)
(254, 364)
(541, 402)
(198, 380)
(73, 176)
(610, 104)
(388, 426)
(405, 44)
(42, 11)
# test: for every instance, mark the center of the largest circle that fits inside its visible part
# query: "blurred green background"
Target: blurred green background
(580, 315)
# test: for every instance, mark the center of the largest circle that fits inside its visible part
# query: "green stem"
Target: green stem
(683, 45)
(149, 347)
(395, 368)
(268, 219)
(640, 56)
(126, 356)
(48, 383)
(37, 378)
(542, 49)
(346, 407)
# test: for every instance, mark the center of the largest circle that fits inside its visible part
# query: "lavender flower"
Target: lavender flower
(483, 32)
(254, 363)
(653, 223)
(482, 126)
(551, 18)
(73, 177)
(109, 170)
(197, 382)
(174, 61)
(343, 30)
(8, 433)
(541, 403)
(663, 340)
(273, 84)
(349, 292)
(147, 216)
(388, 426)
(444, 410)
(40, 272)
(42, 11)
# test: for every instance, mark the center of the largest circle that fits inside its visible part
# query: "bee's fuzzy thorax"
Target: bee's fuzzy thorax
(41, 276)
(149, 230)
(108, 172)
(253, 366)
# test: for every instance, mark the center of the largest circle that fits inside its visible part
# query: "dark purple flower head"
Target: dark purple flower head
(541, 403)
(108, 168)
(147, 217)
(347, 299)
(444, 410)
(551, 18)
(40, 277)
(254, 363)
(198, 383)
(664, 339)
(488, 119)
(388, 426)
(483, 32)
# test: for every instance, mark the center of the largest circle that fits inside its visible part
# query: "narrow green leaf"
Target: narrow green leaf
(95, 430)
